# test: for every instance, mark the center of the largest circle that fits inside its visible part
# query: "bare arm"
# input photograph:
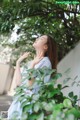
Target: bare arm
(17, 75)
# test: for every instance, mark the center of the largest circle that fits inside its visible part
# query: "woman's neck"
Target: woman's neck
(37, 53)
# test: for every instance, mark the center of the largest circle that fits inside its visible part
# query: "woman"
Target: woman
(46, 55)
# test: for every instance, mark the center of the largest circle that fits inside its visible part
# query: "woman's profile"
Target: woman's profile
(46, 55)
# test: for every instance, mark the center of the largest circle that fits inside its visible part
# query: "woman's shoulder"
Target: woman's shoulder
(46, 59)
(44, 62)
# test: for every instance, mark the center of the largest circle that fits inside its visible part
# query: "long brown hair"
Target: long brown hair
(52, 51)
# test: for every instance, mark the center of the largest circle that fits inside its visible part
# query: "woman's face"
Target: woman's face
(40, 43)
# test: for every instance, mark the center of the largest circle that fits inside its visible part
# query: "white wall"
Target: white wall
(72, 61)
(6, 74)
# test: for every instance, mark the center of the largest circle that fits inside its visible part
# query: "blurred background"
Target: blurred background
(21, 22)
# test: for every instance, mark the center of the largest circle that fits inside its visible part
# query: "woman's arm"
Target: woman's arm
(17, 74)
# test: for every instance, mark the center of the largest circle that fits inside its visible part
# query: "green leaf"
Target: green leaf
(35, 97)
(75, 97)
(75, 112)
(27, 108)
(47, 106)
(52, 93)
(71, 94)
(44, 105)
(24, 116)
(36, 106)
(58, 106)
(41, 116)
(33, 117)
(24, 103)
(56, 113)
(57, 76)
(59, 86)
(67, 103)
(50, 117)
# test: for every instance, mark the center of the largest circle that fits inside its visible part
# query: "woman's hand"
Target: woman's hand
(25, 55)
(37, 59)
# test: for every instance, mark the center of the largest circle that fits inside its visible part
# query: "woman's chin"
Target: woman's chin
(34, 45)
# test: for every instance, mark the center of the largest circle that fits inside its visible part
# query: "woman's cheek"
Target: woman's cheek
(37, 45)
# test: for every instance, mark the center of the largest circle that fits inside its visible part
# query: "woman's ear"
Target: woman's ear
(45, 47)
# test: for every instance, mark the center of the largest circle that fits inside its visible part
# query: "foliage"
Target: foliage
(61, 21)
(48, 103)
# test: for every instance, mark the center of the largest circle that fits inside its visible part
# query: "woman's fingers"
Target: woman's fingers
(26, 54)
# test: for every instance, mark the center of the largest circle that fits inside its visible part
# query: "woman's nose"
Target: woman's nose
(36, 41)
